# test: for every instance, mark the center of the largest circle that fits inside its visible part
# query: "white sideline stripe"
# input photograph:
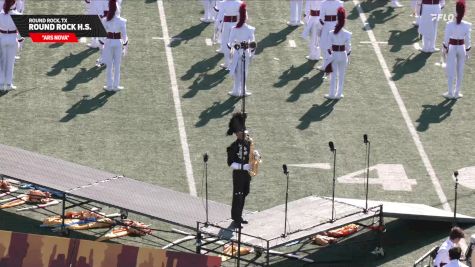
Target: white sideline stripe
(405, 114)
(208, 42)
(292, 43)
(417, 46)
(176, 100)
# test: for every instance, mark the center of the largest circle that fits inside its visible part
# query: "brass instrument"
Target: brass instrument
(254, 157)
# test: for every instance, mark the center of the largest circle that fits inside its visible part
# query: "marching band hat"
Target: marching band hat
(237, 123)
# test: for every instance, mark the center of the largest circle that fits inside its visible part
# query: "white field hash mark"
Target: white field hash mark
(292, 43)
(176, 100)
(402, 107)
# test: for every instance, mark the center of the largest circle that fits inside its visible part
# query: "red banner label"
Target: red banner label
(53, 37)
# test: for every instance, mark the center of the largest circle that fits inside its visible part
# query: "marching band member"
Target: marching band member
(9, 45)
(312, 28)
(238, 160)
(442, 258)
(115, 45)
(457, 45)
(229, 10)
(241, 42)
(20, 6)
(340, 40)
(428, 22)
(218, 25)
(296, 7)
(209, 11)
(416, 11)
(98, 8)
(328, 15)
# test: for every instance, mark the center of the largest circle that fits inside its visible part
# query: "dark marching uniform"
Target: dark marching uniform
(238, 160)
(241, 177)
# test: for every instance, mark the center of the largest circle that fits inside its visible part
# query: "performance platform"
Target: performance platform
(306, 217)
(107, 188)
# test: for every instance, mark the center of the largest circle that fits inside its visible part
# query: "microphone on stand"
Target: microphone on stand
(205, 160)
(332, 146)
(368, 148)
(286, 172)
(333, 149)
(456, 175)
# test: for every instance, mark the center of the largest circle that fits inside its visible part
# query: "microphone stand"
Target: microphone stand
(244, 47)
(456, 174)
(332, 149)
(286, 200)
(205, 160)
(368, 148)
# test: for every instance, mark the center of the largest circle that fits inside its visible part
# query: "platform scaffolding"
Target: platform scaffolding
(308, 217)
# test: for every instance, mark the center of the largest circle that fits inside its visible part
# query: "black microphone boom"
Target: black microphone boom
(331, 145)
(205, 157)
(365, 138)
(284, 167)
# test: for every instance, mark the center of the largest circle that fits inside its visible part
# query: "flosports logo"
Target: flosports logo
(444, 17)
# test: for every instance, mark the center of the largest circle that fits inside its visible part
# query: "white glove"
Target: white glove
(467, 54)
(124, 50)
(237, 166)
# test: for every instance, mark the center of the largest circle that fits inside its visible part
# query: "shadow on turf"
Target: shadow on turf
(202, 66)
(375, 16)
(316, 113)
(83, 76)
(399, 38)
(70, 61)
(295, 73)
(205, 81)
(216, 111)
(273, 39)
(306, 86)
(401, 238)
(411, 64)
(86, 105)
(434, 114)
(188, 34)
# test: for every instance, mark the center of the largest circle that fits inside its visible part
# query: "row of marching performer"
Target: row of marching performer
(10, 41)
(328, 39)
(114, 46)
(236, 39)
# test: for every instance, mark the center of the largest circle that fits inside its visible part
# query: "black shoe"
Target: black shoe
(244, 221)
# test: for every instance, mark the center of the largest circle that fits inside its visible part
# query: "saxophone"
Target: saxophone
(254, 157)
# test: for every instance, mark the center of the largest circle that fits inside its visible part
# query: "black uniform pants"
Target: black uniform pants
(241, 187)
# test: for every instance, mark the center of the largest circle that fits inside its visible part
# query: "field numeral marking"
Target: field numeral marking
(392, 177)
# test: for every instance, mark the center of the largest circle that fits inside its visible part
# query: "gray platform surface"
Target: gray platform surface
(411, 211)
(306, 217)
(107, 188)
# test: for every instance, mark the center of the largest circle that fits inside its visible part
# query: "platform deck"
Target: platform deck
(306, 217)
(411, 211)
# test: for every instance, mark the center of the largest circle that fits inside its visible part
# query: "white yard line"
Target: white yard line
(405, 114)
(366, 42)
(292, 43)
(176, 100)
(209, 42)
